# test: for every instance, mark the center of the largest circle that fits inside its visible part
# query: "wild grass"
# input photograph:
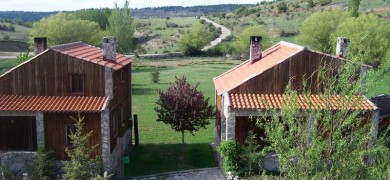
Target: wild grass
(160, 149)
(6, 64)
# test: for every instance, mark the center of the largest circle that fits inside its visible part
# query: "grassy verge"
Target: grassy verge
(160, 149)
(6, 64)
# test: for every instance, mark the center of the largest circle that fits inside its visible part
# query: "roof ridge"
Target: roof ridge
(245, 62)
(61, 46)
(292, 45)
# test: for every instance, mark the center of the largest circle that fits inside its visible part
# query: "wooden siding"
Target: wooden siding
(119, 103)
(17, 133)
(49, 75)
(55, 135)
(218, 108)
(274, 81)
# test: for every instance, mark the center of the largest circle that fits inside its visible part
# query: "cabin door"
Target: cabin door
(17, 133)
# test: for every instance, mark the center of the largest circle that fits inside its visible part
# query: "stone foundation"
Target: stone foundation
(17, 161)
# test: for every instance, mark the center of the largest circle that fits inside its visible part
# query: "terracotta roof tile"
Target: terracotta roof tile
(52, 103)
(245, 71)
(317, 102)
(92, 54)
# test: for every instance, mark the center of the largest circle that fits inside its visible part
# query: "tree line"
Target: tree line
(88, 26)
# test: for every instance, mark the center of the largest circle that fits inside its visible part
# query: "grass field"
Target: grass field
(21, 33)
(160, 149)
(6, 64)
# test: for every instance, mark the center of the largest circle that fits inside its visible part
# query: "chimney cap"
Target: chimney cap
(256, 38)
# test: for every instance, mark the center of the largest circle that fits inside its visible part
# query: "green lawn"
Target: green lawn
(160, 149)
(6, 64)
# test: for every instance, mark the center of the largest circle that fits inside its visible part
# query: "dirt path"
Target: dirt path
(225, 33)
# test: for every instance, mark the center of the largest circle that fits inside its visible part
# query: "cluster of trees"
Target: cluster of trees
(88, 26)
(369, 35)
(9, 27)
(200, 34)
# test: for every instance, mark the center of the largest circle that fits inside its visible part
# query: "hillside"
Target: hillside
(286, 25)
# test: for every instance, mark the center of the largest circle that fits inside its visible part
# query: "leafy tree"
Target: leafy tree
(353, 7)
(81, 165)
(99, 16)
(369, 35)
(310, 3)
(282, 7)
(42, 167)
(327, 144)
(120, 26)
(243, 38)
(23, 57)
(317, 29)
(64, 28)
(183, 107)
(191, 42)
(155, 75)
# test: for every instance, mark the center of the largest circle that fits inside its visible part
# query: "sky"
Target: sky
(70, 5)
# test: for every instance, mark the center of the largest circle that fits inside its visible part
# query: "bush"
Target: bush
(230, 151)
(42, 167)
(155, 75)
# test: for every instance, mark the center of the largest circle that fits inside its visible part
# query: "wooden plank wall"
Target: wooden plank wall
(120, 100)
(55, 124)
(17, 133)
(274, 81)
(218, 108)
(49, 75)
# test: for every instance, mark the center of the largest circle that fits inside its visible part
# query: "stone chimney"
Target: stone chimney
(40, 44)
(341, 48)
(255, 48)
(109, 48)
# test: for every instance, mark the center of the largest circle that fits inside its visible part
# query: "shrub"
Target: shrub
(42, 167)
(155, 75)
(230, 151)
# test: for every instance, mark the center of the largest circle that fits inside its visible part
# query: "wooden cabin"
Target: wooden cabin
(382, 101)
(39, 97)
(265, 76)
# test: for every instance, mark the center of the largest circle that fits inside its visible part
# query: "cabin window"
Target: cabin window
(69, 129)
(77, 83)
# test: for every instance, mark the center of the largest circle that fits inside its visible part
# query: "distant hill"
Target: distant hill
(25, 16)
(168, 11)
(180, 11)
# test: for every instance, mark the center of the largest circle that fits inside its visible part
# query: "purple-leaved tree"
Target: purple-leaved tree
(183, 107)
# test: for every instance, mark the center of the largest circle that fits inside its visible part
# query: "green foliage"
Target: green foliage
(155, 75)
(23, 57)
(282, 7)
(327, 144)
(353, 7)
(310, 3)
(369, 36)
(99, 16)
(64, 28)
(120, 26)
(42, 167)
(243, 38)
(81, 165)
(317, 29)
(7, 174)
(251, 155)
(191, 42)
(230, 151)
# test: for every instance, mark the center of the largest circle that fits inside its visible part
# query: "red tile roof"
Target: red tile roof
(91, 54)
(52, 103)
(245, 71)
(317, 102)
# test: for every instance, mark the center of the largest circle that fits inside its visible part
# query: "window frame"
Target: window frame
(81, 83)
(68, 129)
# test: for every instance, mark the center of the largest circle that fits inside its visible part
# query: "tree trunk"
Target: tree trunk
(182, 137)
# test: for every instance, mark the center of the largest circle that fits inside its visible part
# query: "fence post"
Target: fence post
(136, 137)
